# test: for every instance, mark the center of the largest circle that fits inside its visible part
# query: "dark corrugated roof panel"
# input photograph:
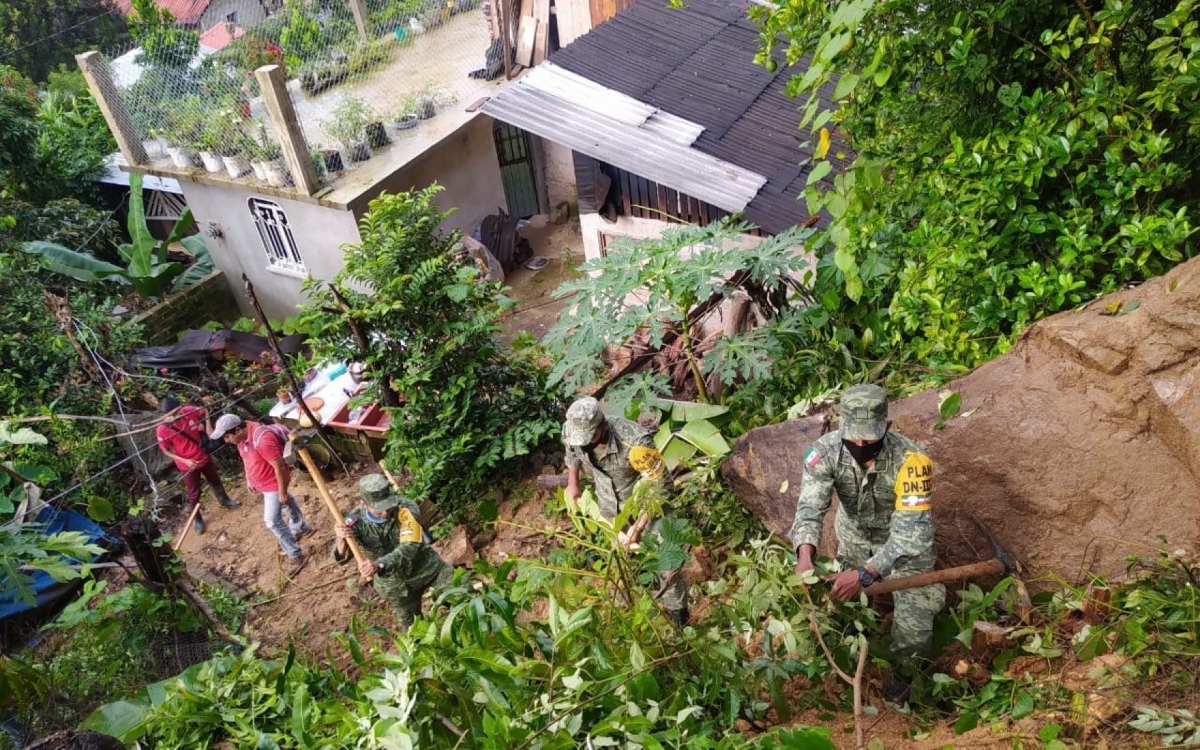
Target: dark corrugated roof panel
(697, 62)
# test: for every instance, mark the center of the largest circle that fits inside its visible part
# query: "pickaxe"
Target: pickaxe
(1002, 563)
(300, 442)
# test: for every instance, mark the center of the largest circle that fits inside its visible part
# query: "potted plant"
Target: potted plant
(268, 159)
(348, 126)
(406, 113)
(234, 154)
(184, 126)
(208, 140)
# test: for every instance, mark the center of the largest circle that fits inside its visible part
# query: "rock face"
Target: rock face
(456, 549)
(1078, 447)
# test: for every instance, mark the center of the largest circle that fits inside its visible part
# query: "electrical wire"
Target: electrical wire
(60, 32)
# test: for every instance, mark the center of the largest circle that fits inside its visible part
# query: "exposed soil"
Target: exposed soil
(537, 310)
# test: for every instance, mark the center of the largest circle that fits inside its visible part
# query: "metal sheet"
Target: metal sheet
(637, 150)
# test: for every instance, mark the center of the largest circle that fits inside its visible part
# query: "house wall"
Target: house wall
(249, 13)
(465, 165)
(211, 298)
(319, 232)
(560, 174)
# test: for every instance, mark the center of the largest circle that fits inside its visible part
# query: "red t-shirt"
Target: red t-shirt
(182, 436)
(261, 446)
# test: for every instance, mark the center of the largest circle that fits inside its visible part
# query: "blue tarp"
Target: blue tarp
(46, 588)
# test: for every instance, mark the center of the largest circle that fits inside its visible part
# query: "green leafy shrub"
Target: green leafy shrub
(1010, 160)
(462, 405)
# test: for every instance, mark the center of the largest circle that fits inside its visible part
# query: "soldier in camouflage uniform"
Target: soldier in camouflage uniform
(388, 528)
(618, 454)
(884, 523)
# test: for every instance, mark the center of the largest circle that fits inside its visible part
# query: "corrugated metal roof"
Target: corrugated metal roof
(618, 130)
(696, 64)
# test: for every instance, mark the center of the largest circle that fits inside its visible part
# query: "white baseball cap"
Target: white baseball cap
(225, 423)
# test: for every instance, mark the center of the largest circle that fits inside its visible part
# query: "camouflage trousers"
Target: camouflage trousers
(405, 598)
(912, 616)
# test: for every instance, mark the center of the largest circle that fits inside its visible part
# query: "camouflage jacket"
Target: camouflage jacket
(612, 471)
(888, 504)
(414, 563)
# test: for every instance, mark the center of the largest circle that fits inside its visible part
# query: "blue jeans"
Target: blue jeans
(284, 532)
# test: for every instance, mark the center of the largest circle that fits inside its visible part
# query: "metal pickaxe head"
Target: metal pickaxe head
(998, 551)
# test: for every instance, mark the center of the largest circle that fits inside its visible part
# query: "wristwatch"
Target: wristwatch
(866, 577)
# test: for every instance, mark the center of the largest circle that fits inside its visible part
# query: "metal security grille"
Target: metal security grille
(516, 169)
(277, 238)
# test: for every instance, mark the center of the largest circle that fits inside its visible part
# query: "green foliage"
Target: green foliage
(1011, 160)
(148, 270)
(668, 276)
(23, 550)
(39, 36)
(429, 335)
(164, 43)
(483, 673)
(107, 644)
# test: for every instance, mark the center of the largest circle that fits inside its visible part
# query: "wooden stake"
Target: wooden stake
(186, 528)
(336, 512)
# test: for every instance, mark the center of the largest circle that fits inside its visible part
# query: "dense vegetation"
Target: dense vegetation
(426, 326)
(1010, 160)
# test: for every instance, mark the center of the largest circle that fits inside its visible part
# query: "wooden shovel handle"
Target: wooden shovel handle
(191, 521)
(319, 480)
(989, 567)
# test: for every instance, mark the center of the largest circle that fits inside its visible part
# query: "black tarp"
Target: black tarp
(197, 349)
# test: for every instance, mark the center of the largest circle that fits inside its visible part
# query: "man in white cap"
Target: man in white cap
(618, 453)
(261, 448)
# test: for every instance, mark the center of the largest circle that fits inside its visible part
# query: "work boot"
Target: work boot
(198, 524)
(294, 565)
(227, 502)
(303, 532)
(681, 617)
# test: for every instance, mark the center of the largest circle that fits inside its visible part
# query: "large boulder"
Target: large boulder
(1078, 447)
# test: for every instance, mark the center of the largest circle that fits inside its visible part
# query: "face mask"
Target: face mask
(374, 518)
(863, 454)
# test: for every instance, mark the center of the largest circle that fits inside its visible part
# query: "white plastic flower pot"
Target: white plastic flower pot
(212, 162)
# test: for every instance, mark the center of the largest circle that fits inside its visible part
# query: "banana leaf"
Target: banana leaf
(74, 264)
(198, 270)
(705, 436)
(688, 411)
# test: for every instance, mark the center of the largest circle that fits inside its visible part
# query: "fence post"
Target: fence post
(95, 72)
(273, 82)
(359, 9)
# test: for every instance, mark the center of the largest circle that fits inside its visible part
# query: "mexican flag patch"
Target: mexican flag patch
(812, 458)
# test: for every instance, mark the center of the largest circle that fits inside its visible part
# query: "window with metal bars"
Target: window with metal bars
(277, 238)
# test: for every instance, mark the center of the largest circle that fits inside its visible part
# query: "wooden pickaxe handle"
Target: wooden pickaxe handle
(995, 566)
(319, 480)
(191, 521)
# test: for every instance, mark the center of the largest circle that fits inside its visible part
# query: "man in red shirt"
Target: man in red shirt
(179, 438)
(261, 449)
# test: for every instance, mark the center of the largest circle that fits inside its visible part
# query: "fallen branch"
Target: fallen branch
(854, 682)
(310, 589)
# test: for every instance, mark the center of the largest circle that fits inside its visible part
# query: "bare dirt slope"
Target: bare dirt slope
(1076, 448)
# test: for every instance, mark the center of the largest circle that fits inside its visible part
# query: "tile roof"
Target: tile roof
(697, 63)
(219, 35)
(186, 12)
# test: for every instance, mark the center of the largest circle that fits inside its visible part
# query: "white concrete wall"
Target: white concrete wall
(560, 174)
(465, 165)
(249, 13)
(320, 232)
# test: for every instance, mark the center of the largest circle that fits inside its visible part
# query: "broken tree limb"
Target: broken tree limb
(273, 340)
(390, 397)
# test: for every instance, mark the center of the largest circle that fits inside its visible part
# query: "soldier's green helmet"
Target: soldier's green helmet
(583, 417)
(377, 492)
(864, 413)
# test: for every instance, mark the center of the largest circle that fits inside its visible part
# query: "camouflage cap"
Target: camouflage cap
(377, 492)
(583, 417)
(864, 413)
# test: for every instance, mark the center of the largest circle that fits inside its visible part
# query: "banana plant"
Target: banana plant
(689, 429)
(148, 271)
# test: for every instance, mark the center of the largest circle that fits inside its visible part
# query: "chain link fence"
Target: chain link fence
(363, 75)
